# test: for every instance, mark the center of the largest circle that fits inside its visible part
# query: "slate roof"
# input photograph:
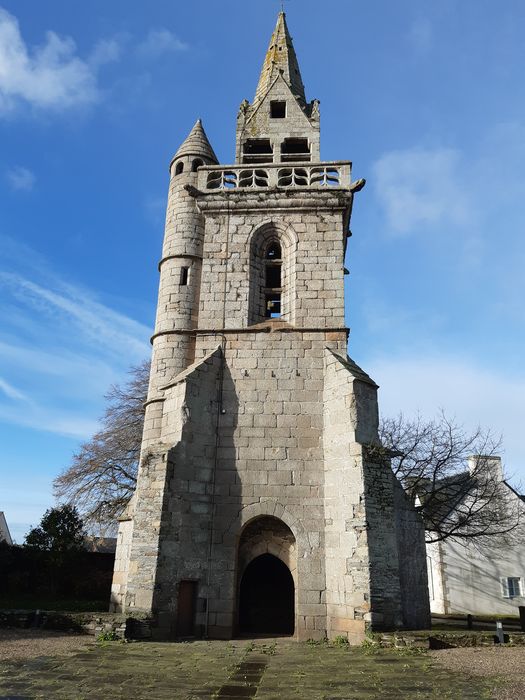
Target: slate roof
(197, 144)
(5, 535)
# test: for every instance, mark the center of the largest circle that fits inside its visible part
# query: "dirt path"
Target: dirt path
(21, 644)
(507, 663)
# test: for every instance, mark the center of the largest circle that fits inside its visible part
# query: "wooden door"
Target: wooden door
(186, 608)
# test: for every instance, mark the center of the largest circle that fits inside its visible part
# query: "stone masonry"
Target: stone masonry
(257, 425)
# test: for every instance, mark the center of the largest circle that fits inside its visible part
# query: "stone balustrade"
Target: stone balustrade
(275, 175)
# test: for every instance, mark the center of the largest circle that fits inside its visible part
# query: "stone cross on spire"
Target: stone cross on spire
(281, 57)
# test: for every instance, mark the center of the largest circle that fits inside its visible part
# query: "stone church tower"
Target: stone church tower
(258, 507)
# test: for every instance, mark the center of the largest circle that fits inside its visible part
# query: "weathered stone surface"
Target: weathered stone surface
(257, 427)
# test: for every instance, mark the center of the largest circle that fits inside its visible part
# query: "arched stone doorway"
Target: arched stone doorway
(266, 585)
(266, 597)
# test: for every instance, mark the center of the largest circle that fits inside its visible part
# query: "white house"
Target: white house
(5, 536)
(464, 578)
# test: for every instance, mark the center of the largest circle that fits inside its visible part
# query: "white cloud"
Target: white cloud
(158, 42)
(421, 188)
(421, 34)
(474, 394)
(21, 178)
(50, 76)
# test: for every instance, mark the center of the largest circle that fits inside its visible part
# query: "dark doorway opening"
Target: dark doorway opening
(186, 608)
(266, 602)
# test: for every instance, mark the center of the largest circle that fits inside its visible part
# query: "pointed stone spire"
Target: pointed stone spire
(197, 144)
(281, 57)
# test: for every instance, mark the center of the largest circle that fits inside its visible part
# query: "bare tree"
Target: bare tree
(103, 473)
(453, 477)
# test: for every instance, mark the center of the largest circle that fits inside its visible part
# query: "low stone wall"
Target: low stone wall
(442, 640)
(136, 627)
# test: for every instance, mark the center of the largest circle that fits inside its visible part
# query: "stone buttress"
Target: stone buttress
(258, 426)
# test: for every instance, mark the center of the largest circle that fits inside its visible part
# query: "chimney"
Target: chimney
(491, 462)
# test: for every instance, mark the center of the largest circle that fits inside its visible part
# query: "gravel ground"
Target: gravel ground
(18, 644)
(507, 663)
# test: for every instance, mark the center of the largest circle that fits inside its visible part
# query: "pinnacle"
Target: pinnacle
(281, 57)
(197, 144)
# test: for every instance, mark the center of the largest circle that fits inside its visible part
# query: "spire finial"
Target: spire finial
(281, 58)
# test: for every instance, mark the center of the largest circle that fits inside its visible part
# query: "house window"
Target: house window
(184, 271)
(511, 586)
(277, 110)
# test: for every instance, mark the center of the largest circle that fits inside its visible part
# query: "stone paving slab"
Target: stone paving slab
(280, 670)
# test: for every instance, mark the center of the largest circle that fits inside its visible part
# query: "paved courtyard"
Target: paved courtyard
(262, 669)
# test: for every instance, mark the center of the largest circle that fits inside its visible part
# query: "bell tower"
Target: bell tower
(259, 507)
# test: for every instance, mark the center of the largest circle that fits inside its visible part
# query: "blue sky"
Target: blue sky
(428, 101)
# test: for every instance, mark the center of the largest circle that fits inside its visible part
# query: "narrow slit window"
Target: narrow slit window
(179, 168)
(278, 110)
(184, 272)
(197, 163)
(273, 280)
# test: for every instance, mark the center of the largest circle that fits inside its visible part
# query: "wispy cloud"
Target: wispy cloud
(108, 50)
(422, 188)
(21, 178)
(60, 347)
(155, 209)
(39, 417)
(11, 392)
(94, 320)
(159, 42)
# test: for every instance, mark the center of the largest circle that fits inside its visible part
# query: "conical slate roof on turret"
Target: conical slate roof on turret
(197, 144)
(281, 57)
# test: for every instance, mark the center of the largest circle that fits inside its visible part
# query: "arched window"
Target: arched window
(196, 164)
(273, 282)
(272, 275)
(179, 168)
